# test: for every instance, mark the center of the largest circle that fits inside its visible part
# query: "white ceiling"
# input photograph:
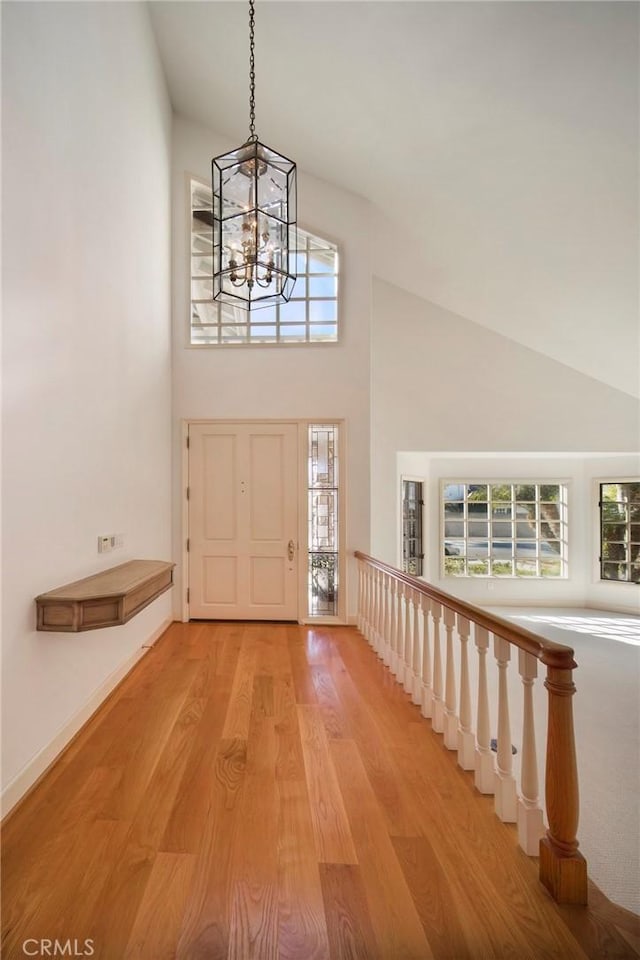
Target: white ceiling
(497, 141)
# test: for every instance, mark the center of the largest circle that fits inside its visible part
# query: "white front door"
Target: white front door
(243, 521)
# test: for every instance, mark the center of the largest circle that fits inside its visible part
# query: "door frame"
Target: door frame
(303, 509)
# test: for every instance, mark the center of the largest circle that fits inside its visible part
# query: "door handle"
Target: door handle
(291, 549)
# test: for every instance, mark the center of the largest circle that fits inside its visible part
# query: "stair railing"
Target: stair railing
(414, 629)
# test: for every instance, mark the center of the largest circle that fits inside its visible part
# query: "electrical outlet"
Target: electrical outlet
(105, 544)
(118, 540)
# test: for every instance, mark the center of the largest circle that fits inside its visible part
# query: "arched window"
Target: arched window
(311, 316)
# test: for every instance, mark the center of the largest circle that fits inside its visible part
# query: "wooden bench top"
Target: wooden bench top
(116, 581)
(105, 599)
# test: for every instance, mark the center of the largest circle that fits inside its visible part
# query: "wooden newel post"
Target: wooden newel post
(563, 870)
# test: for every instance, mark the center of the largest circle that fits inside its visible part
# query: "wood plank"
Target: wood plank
(121, 899)
(191, 808)
(205, 931)
(334, 843)
(318, 645)
(236, 725)
(40, 907)
(65, 802)
(290, 761)
(377, 756)
(161, 791)
(159, 917)
(254, 902)
(301, 673)
(263, 696)
(444, 919)
(349, 925)
(138, 751)
(302, 928)
(331, 710)
(391, 708)
(396, 923)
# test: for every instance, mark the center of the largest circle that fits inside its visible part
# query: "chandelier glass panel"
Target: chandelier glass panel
(254, 218)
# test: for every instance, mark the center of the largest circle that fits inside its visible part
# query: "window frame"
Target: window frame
(404, 479)
(340, 616)
(191, 178)
(564, 485)
(598, 483)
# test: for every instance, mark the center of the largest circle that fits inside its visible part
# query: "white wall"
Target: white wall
(86, 353)
(442, 383)
(321, 381)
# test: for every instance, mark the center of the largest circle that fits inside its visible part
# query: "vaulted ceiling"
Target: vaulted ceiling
(496, 141)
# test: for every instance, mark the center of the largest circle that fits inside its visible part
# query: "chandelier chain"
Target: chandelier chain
(252, 73)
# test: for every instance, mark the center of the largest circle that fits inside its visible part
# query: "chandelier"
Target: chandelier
(254, 216)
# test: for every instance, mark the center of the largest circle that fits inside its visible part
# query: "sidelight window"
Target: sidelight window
(323, 513)
(412, 504)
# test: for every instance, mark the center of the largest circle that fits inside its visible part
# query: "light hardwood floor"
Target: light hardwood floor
(259, 791)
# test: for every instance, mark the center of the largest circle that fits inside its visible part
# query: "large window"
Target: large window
(311, 315)
(504, 529)
(620, 531)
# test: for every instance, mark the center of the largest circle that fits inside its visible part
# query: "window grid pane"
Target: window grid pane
(310, 316)
(504, 529)
(620, 531)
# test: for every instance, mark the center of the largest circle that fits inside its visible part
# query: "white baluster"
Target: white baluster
(393, 623)
(399, 665)
(365, 598)
(450, 717)
(505, 784)
(466, 740)
(386, 623)
(367, 602)
(375, 643)
(417, 650)
(437, 715)
(380, 615)
(361, 596)
(426, 692)
(485, 767)
(409, 640)
(530, 825)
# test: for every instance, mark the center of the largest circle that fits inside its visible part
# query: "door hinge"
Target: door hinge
(188, 493)
(187, 441)
(188, 594)
(188, 544)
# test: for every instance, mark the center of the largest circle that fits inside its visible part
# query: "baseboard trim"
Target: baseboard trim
(35, 770)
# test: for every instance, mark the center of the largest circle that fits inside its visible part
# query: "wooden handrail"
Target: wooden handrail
(546, 651)
(563, 869)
